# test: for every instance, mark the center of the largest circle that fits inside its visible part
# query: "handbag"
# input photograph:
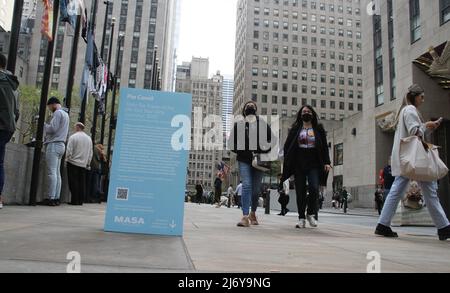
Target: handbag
(420, 163)
(259, 164)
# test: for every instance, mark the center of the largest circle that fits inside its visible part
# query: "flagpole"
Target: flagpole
(14, 38)
(72, 64)
(42, 107)
(102, 133)
(94, 6)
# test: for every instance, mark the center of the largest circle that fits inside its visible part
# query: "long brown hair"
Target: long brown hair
(410, 99)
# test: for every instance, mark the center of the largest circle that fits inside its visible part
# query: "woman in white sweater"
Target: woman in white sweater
(410, 123)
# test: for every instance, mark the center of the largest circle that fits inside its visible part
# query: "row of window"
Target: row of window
(323, 116)
(313, 53)
(295, 26)
(314, 66)
(304, 90)
(313, 4)
(323, 43)
(294, 14)
(304, 28)
(294, 101)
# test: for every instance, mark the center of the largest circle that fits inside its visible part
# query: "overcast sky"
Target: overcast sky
(207, 29)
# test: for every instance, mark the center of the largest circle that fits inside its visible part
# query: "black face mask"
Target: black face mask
(250, 111)
(307, 117)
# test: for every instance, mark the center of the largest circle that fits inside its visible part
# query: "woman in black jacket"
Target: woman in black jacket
(307, 158)
(246, 141)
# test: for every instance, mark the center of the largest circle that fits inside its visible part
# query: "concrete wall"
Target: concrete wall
(18, 169)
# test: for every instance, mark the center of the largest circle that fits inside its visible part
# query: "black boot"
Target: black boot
(444, 233)
(385, 231)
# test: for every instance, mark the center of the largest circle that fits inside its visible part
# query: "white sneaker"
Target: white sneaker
(301, 224)
(312, 221)
(1, 205)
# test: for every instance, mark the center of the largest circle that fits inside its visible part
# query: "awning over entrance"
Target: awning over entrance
(436, 63)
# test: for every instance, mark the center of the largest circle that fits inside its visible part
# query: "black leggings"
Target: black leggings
(307, 179)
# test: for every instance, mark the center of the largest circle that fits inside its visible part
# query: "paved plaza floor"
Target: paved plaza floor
(38, 239)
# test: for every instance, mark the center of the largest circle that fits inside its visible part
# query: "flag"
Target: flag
(224, 169)
(47, 20)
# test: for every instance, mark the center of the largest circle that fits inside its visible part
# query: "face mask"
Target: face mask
(250, 111)
(307, 117)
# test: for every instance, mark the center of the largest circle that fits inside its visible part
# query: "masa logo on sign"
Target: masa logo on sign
(129, 220)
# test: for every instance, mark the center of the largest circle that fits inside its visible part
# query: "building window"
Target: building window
(377, 39)
(414, 19)
(445, 11)
(339, 154)
(392, 73)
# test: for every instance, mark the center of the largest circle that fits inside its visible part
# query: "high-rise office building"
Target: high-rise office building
(145, 24)
(206, 93)
(295, 52)
(227, 105)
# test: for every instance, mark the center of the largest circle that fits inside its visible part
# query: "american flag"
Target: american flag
(224, 169)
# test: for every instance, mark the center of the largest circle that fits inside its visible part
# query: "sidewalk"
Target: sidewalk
(352, 212)
(38, 240)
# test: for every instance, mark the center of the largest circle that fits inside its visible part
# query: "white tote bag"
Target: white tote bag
(419, 164)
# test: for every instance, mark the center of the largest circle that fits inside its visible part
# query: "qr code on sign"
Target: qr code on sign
(122, 193)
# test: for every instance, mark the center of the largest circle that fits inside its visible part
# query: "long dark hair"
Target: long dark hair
(315, 121)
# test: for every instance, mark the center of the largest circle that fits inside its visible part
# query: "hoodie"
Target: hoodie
(9, 109)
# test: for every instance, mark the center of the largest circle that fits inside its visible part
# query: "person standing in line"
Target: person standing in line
(345, 199)
(56, 132)
(230, 195)
(217, 191)
(78, 158)
(199, 193)
(379, 200)
(410, 122)
(283, 199)
(246, 142)
(238, 194)
(93, 187)
(9, 114)
(306, 156)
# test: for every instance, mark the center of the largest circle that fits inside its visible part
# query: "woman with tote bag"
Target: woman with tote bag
(410, 123)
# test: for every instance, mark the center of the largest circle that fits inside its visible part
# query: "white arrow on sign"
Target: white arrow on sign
(172, 225)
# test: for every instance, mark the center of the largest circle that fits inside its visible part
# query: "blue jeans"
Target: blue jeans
(5, 137)
(312, 200)
(53, 156)
(251, 187)
(398, 190)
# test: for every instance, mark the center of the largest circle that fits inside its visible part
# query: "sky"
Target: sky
(207, 29)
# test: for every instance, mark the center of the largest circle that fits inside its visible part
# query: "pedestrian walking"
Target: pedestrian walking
(283, 191)
(199, 193)
(306, 157)
(379, 200)
(217, 191)
(247, 142)
(410, 122)
(9, 114)
(230, 195)
(78, 158)
(238, 194)
(344, 196)
(56, 132)
(388, 179)
(94, 192)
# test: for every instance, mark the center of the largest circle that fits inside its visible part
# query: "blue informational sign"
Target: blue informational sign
(148, 175)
